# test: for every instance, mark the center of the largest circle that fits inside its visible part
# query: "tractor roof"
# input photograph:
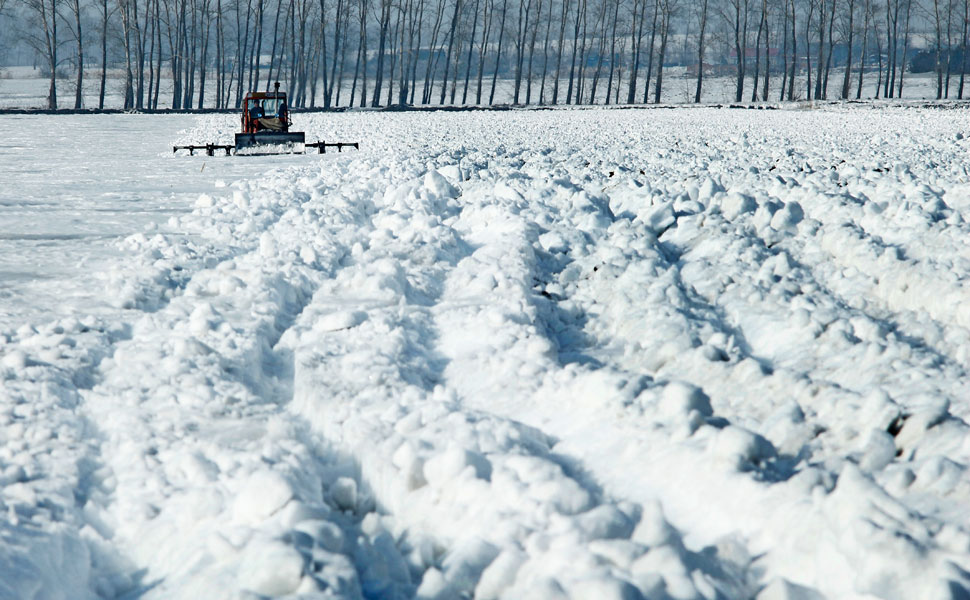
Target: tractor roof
(266, 95)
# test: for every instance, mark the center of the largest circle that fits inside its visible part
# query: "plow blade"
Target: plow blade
(270, 142)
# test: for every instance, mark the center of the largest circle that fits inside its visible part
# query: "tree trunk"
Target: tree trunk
(76, 7)
(665, 24)
(879, 81)
(572, 68)
(808, 50)
(338, 52)
(601, 51)
(865, 46)
(545, 57)
(700, 52)
(532, 48)
(48, 18)
(847, 80)
(498, 52)
(220, 49)
(830, 52)
(821, 50)
(784, 55)
(241, 51)
(521, 29)
(126, 29)
(794, 54)
(938, 48)
(204, 56)
(650, 49)
(583, 56)
(468, 58)
(963, 45)
(104, 52)
(757, 54)
(451, 47)
(562, 34)
(740, 44)
(949, 47)
(636, 43)
(483, 48)
(616, 18)
(363, 43)
(139, 56)
(902, 62)
(767, 78)
(394, 58)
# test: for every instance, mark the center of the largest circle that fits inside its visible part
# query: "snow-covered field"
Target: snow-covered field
(673, 354)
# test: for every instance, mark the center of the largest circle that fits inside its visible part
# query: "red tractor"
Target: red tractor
(266, 129)
(266, 121)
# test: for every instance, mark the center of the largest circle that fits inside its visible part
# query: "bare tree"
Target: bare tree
(532, 49)
(650, 49)
(104, 52)
(432, 61)
(666, 12)
(963, 46)
(794, 53)
(830, 49)
(866, 20)
(498, 51)
(847, 79)
(44, 15)
(762, 23)
(639, 17)
(613, 60)
(735, 14)
(559, 49)
(471, 48)
(451, 47)
(701, 47)
(580, 10)
(808, 47)
(488, 17)
(821, 51)
(545, 56)
(75, 6)
(905, 49)
(767, 78)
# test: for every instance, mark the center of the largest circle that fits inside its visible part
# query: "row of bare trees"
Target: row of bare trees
(184, 54)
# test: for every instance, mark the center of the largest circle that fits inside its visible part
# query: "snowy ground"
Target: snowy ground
(690, 353)
(101, 179)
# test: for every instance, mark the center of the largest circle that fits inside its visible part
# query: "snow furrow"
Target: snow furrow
(213, 487)
(436, 491)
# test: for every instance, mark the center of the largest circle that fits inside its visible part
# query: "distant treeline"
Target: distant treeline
(455, 52)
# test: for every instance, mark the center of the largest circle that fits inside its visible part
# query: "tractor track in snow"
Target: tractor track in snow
(213, 463)
(811, 287)
(413, 475)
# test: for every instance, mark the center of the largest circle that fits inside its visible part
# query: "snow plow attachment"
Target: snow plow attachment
(270, 142)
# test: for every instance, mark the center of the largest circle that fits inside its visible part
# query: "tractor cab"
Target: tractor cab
(266, 124)
(265, 111)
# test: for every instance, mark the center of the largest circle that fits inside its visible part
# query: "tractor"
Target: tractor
(266, 121)
(266, 125)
